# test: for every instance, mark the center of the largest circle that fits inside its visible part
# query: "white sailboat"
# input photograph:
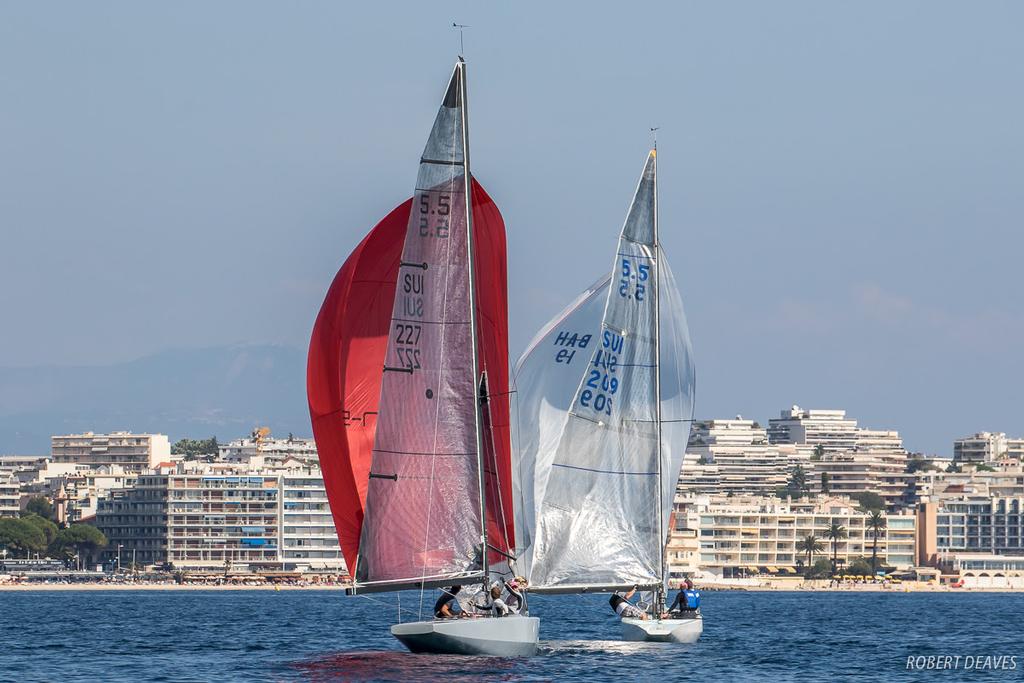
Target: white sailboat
(408, 392)
(604, 407)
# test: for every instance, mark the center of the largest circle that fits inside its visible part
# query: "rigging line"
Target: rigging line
(382, 602)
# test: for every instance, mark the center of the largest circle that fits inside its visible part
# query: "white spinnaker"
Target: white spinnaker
(586, 438)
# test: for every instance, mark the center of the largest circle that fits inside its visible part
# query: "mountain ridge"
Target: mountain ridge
(221, 391)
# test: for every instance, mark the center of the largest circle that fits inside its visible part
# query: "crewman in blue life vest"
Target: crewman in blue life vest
(687, 600)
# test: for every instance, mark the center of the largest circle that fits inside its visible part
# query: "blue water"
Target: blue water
(326, 636)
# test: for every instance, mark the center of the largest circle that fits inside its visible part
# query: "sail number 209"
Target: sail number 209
(602, 383)
(435, 217)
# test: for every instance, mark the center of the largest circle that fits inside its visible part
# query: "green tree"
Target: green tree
(19, 535)
(821, 569)
(869, 500)
(836, 532)
(876, 523)
(860, 567)
(83, 539)
(798, 481)
(194, 448)
(826, 487)
(812, 546)
(982, 467)
(41, 506)
(917, 463)
(819, 453)
(48, 528)
(953, 467)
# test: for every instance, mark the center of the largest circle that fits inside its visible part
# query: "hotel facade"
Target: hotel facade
(739, 536)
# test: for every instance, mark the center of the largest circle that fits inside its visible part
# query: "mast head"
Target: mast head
(453, 95)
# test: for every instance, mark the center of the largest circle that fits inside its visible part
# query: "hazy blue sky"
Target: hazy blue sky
(841, 185)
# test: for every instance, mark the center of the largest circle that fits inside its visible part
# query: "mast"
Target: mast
(660, 599)
(472, 323)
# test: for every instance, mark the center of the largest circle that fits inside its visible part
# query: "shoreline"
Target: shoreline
(710, 587)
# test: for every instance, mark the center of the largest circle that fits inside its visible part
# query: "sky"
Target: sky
(840, 184)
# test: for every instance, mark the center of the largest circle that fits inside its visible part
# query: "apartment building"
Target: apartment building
(986, 447)
(735, 457)
(269, 450)
(743, 535)
(830, 429)
(10, 495)
(227, 517)
(969, 524)
(133, 452)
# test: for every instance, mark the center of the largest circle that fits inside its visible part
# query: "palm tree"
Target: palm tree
(836, 533)
(810, 545)
(798, 481)
(875, 522)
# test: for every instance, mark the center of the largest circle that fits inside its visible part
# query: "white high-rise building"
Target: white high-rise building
(830, 429)
(987, 447)
(734, 457)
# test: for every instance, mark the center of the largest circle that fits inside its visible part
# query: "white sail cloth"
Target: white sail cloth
(586, 450)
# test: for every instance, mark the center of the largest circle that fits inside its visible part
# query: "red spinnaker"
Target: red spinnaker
(346, 360)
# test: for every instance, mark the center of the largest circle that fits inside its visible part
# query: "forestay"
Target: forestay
(586, 446)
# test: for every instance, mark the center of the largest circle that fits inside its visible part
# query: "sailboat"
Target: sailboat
(407, 381)
(604, 404)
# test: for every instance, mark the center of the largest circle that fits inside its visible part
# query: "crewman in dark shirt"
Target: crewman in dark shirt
(443, 606)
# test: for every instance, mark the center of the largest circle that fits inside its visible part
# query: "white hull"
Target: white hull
(512, 636)
(663, 630)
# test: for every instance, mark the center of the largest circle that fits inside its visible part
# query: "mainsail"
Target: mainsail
(392, 391)
(596, 460)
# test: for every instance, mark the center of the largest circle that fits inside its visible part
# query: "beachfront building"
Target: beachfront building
(227, 517)
(740, 536)
(830, 429)
(134, 520)
(133, 452)
(982, 570)
(734, 457)
(969, 524)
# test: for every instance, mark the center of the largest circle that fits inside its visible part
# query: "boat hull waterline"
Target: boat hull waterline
(663, 630)
(498, 637)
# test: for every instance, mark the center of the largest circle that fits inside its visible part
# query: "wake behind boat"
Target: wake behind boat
(605, 402)
(408, 393)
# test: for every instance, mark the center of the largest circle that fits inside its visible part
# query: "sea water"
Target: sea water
(192, 635)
